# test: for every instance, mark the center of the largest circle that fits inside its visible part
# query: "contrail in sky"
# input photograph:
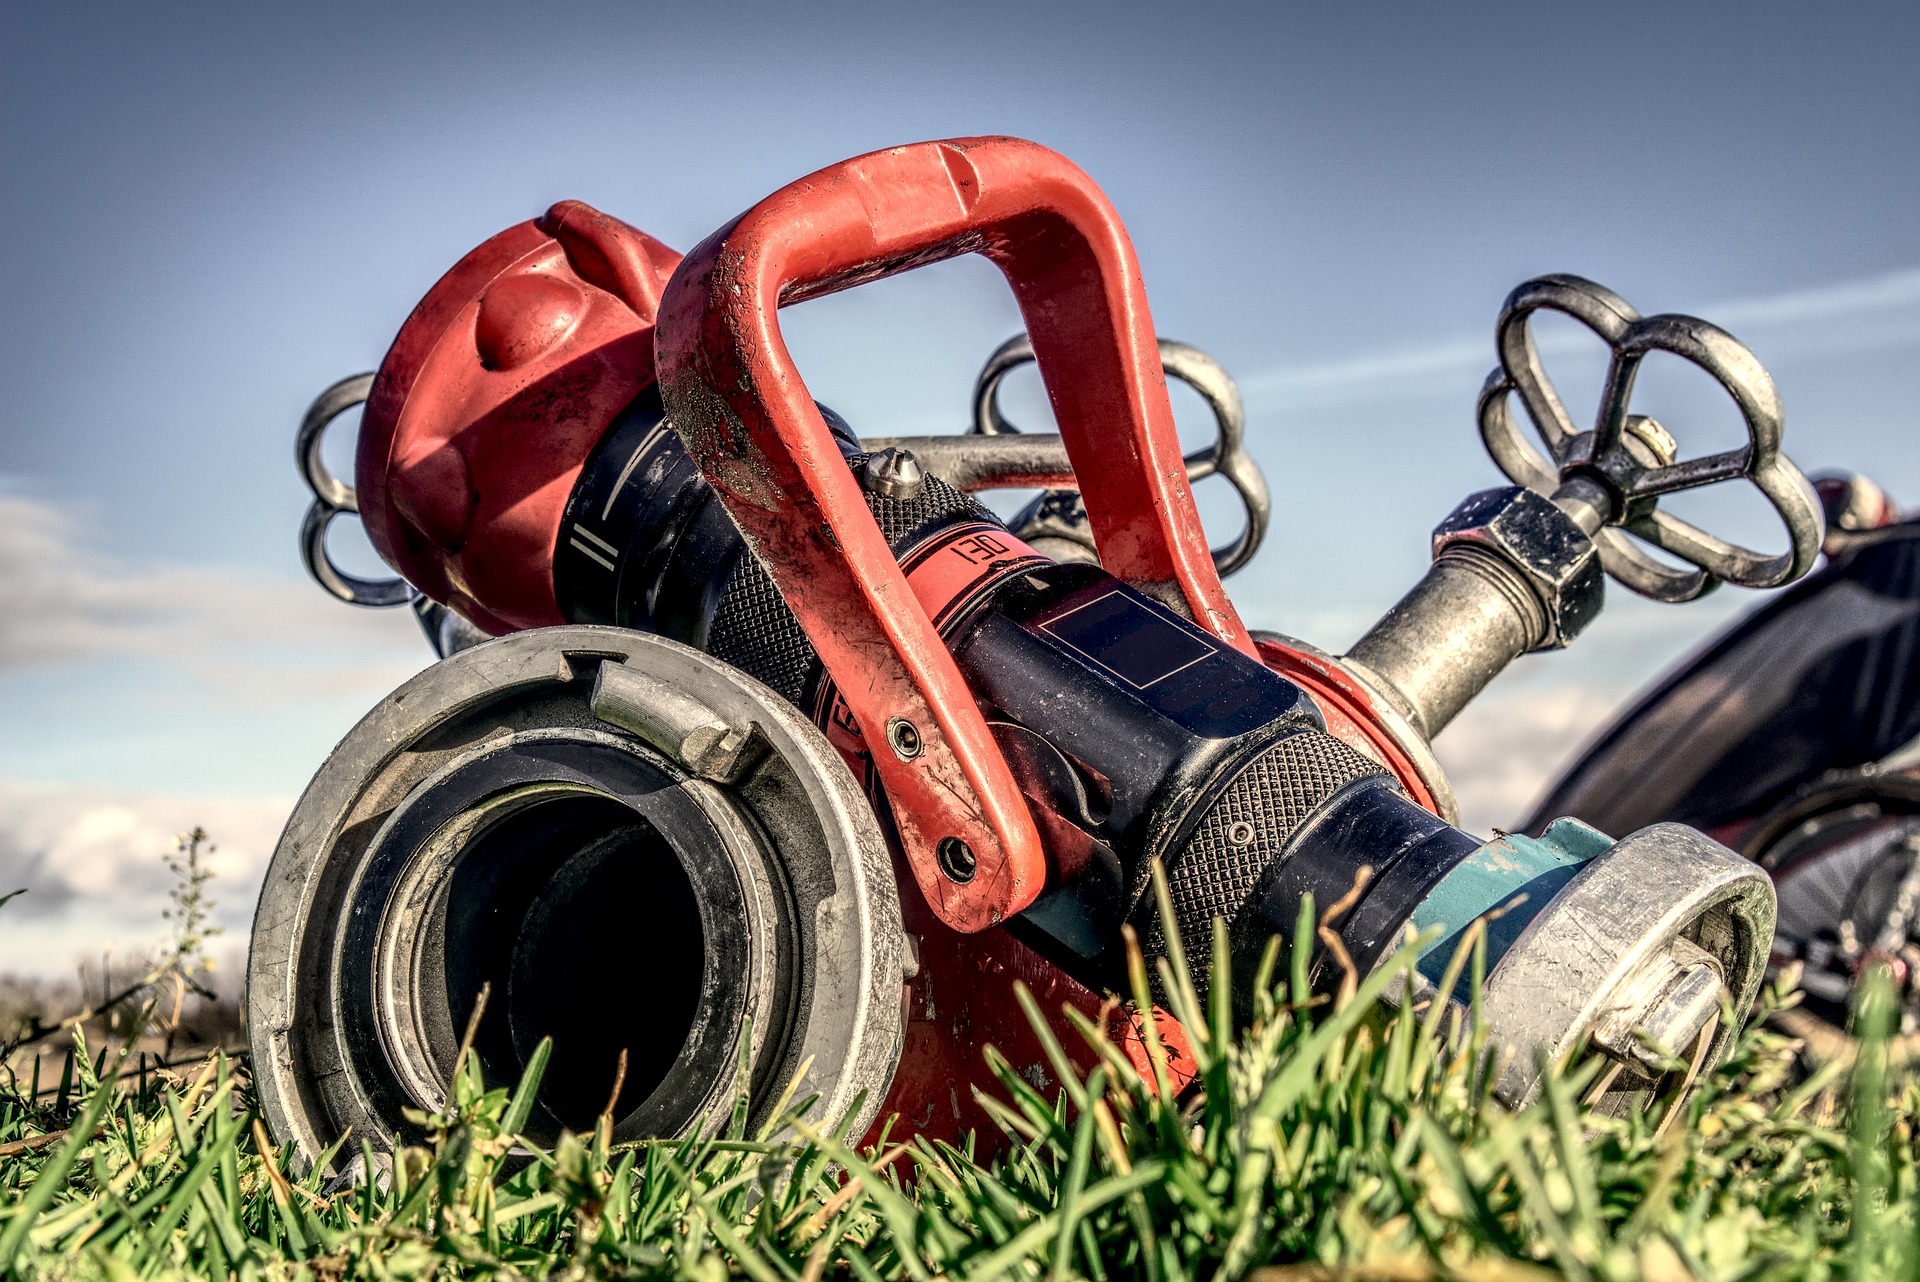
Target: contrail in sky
(1887, 292)
(1892, 299)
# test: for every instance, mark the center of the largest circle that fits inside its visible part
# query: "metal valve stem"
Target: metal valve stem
(1512, 572)
(1508, 577)
(1522, 569)
(1458, 629)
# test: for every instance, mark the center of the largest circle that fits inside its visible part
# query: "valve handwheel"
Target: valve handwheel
(1227, 457)
(1606, 454)
(333, 497)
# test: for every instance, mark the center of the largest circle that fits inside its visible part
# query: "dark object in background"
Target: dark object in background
(1825, 677)
(1792, 738)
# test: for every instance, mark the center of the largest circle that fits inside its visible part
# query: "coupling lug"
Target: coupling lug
(1663, 1011)
(682, 727)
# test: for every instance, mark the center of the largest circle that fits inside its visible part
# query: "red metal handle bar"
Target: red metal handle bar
(734, 394)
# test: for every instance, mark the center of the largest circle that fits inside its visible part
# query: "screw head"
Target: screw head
(904, 738)
(894, 474)
(956, 860)
(1240, 833)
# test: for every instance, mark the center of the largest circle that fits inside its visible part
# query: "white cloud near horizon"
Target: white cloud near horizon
(1506, 747)
(91, 859)
(116, 673)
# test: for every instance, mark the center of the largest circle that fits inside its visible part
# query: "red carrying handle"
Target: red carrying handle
(732, 391)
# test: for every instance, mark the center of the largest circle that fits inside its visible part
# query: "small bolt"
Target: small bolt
(904, 737)
(894, 474)
(956, 860)
(1240, 834)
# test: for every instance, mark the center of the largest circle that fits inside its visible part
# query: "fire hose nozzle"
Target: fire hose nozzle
(855, 669)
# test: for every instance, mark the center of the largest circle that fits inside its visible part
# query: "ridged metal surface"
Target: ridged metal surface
(936, 500)
(755, 632)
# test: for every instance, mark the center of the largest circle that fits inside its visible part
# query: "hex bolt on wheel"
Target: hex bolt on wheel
(635, 850)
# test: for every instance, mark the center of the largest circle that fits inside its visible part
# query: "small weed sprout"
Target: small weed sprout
(190, 912)
(169, 979)
(192, 909)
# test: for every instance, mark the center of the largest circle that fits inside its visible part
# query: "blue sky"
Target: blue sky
(210, 212)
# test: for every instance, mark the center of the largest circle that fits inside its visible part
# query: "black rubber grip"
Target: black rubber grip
(1220, 861)
(755, 631)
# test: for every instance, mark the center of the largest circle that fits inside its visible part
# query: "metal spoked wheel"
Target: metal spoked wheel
(1845, 859)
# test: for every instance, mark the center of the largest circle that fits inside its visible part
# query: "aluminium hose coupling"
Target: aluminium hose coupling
(1637, 956)
(1629, 948)
(627, 847)
(1632, 949)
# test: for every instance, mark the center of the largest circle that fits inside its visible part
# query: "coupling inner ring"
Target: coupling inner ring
(593, 898)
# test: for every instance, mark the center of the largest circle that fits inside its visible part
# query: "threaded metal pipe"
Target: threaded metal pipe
(1460, 626)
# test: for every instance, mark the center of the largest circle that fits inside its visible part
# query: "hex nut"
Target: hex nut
(1545, 550)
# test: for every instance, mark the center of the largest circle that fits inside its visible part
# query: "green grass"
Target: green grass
(1353, 1141)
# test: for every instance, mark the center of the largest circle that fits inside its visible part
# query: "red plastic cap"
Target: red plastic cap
(499, 385)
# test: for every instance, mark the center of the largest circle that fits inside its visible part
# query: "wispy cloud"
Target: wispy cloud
(67, 602)
(1888, 292)
(1508, 746)
(1877, 311)
(1366, 377)
(230, 649)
